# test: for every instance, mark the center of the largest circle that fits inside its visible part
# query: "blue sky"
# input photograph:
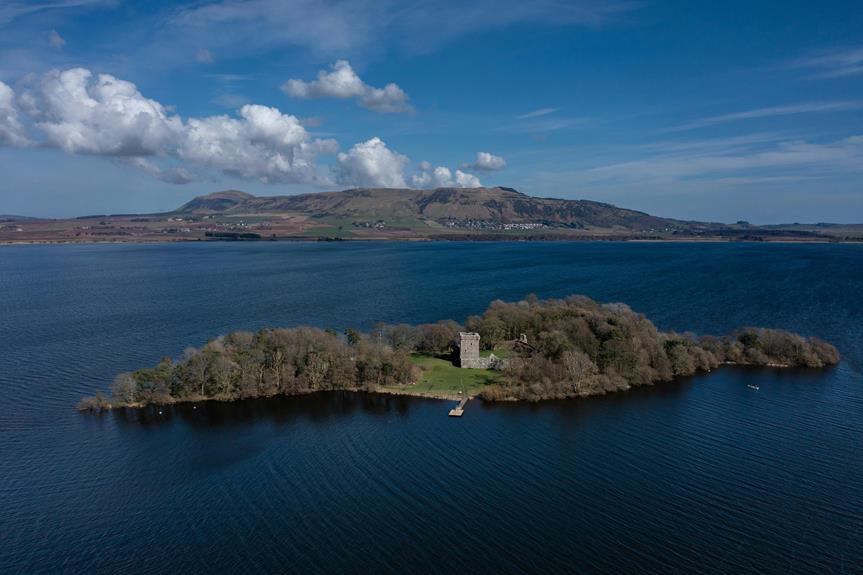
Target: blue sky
(714, 111)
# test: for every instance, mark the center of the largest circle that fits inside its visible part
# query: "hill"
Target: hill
(216, 202)
(456, 208)
(402, 214)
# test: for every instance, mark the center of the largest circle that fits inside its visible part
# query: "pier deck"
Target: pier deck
(458, 410)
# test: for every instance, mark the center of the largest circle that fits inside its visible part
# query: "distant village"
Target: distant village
(476, 224)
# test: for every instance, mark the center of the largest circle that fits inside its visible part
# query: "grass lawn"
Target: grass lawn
(441, 376)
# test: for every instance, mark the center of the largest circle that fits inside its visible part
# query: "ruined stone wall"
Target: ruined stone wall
(477, 363)
(469, 354)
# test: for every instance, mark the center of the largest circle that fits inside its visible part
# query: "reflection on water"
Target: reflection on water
(316, 408)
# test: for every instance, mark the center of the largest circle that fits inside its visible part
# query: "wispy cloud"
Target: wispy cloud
(336, 28)
(538, 113)
(56, 40)
(836, 63)
(12, 10)
(204, 56)
(731, 143)
(228, 78)
(790, 158)
(787, 110)
(230, 100)
(750, 180)
(538, 125)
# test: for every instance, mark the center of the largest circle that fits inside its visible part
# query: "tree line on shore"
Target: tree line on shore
(578, 347)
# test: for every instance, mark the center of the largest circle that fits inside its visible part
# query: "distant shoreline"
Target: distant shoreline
(389, 214)
(690, 240)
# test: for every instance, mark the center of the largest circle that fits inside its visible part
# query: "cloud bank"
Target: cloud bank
(84, 113)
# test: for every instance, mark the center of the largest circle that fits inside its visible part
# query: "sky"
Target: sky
(716, 111)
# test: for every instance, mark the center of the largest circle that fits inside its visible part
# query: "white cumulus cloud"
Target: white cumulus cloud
(442, 177)
(343, 83)
(11, 131)
(428, 177)
(371, 164)
(486, 162)
(261, 144)
(98, 114)
(103, 115)
(465, 180)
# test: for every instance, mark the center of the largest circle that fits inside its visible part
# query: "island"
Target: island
(529, 350)
(489, 214)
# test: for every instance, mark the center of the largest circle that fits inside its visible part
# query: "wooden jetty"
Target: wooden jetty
(458, 410)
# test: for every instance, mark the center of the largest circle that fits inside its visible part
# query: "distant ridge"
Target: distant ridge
(499, 204)
(216, 202)
(12, 218)
(402, 214)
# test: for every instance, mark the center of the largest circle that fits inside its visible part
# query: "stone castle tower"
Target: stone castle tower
(468, 352)
(468, 349)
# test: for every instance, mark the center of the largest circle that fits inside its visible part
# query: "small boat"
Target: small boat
(755, 387)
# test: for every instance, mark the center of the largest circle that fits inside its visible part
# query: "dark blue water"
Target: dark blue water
(704, 475)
